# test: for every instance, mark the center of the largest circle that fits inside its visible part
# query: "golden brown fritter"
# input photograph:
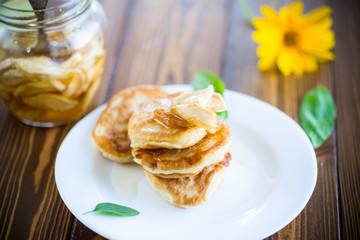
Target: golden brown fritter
(110, 133)
(188, 161)
(188, 192)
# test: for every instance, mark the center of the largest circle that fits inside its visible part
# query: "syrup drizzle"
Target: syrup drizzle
(125, 179)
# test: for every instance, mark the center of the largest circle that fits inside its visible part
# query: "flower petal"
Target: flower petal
(284, 62)
(310, 63)
(313, 38)
(284, 16)
(269, 36)
(296, 9)
(260, 23)
(269, 13)
(291, 61)
(268, 56)
(318, 42)
(298, 65)
(324, 56)
(324, 24)
(317, 14)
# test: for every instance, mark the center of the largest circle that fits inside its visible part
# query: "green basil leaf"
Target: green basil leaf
(222, 115)
(114, 209)
(317, 115)
(203, 79)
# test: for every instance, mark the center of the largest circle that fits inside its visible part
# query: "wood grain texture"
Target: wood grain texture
(347, 89)
(80, 231)
(169, 41)
(118, 15)
(31, 207)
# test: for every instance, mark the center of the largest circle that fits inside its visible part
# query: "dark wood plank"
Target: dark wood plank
(31, 207)
(80, 231)
(347, 90)
(170, 40)
(118, 16)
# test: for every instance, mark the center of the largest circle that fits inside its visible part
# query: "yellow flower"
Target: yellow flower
(293, 41)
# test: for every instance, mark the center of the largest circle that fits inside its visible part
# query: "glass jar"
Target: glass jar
(52, 60)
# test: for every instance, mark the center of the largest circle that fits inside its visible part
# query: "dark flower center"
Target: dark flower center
(290, 38)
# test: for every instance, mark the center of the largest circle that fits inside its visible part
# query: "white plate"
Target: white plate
(269, 181)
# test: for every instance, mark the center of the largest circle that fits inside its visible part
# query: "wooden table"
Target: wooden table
(166, 42)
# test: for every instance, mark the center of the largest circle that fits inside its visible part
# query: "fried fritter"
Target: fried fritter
(190, 191)
(170, 163)
(110, 134)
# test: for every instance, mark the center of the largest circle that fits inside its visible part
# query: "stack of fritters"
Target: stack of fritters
(182, 146)
(110, 134)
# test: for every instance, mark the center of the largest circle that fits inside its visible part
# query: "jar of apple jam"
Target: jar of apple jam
(51, 60)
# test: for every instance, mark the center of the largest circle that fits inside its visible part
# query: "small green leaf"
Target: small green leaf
(222, 115)
(114, 209)
(203, 79)
(317, 115)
